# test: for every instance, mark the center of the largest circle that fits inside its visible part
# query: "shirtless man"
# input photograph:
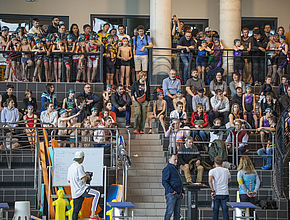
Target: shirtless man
(25, 59)
(4, 38)
(125, 55)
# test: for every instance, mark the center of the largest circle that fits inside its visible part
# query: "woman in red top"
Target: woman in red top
(30, 123)
(199, 119)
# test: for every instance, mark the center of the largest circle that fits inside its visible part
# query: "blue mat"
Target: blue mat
(121, 204)
(241, 205)
(4, 206)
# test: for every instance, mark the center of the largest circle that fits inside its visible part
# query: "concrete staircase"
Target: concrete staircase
(17, 183)
(145, 190)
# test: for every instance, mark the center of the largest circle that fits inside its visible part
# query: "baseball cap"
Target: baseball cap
(201, 90)
(5, 28)
(71, 91)
(94, 109)
(207, 29)
(62, 111)
(79, 154)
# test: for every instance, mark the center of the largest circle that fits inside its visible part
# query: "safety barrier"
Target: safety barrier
(174, 143)
(119, 153)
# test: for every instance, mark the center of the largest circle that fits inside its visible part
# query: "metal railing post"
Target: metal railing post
(150, 63)
(101, 63)
(35, 157)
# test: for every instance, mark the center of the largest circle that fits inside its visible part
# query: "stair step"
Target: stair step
(148, 166)
(132, 185)
(144, 179)
(146, 198)
(150, 173)
(145, 141)
(146, 159)
(146, 192)
(145, 137)
(144, 148)
(147, 154)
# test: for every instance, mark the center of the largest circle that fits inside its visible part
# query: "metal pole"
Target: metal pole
(273, 151)
(129, 142)
(101, 63)
(35, 157)
(76, 137)
(126, 176)
(49, 185)
(227, 66)
(150, 62)
(39, 185)
(124, 183)
(237, 148)
(105, 191)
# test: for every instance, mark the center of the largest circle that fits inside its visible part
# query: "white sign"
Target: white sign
(63, 158)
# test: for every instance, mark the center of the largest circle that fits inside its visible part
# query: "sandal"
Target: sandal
(150, 131)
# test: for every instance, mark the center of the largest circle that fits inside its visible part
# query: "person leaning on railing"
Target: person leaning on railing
(189, 158)
(9, 114)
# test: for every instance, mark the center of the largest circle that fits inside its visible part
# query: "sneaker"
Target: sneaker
(141, 132)
(135, 132)
(128, 126)
(256, 83)
(95, 217)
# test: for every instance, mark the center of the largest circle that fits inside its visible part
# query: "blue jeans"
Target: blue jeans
(200, 133)
(266, 154)
(186, 59)
(220, 200)
(169, 103)
(126, 114)
(173, 203)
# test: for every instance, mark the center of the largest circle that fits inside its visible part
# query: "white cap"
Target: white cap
(207, 29)
(79, 154)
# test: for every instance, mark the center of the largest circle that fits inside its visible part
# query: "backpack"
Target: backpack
(135, 41)
(218, 148)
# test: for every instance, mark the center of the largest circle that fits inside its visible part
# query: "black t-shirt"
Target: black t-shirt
(51, 29)
(187, 43)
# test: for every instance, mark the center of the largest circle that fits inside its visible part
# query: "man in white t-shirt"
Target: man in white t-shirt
(218, 179)
(121, 35)
(77, 179)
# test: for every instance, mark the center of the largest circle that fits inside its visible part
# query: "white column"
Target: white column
(230, 27)
(160, 32)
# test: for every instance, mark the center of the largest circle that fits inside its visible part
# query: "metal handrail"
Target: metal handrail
(235, 146)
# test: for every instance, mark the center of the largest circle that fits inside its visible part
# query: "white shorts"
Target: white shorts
(141, 61)
(93, 62)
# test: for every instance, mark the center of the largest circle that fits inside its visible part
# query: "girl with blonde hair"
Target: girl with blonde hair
(248, 181)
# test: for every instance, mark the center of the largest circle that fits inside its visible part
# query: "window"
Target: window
(251, 22)
(132, 21)
(13, 20)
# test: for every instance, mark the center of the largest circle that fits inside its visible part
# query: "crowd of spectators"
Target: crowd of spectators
(50, 53)
(46, 54)
(234, 106)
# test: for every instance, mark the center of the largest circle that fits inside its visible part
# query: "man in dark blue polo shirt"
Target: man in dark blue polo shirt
(186, 44)
(140, 43)
(174, 191)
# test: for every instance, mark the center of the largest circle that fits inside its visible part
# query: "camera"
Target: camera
(90, 177)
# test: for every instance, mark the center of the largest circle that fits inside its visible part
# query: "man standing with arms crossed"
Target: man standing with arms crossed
(174, 192)
(218, 179)
(77, 179)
